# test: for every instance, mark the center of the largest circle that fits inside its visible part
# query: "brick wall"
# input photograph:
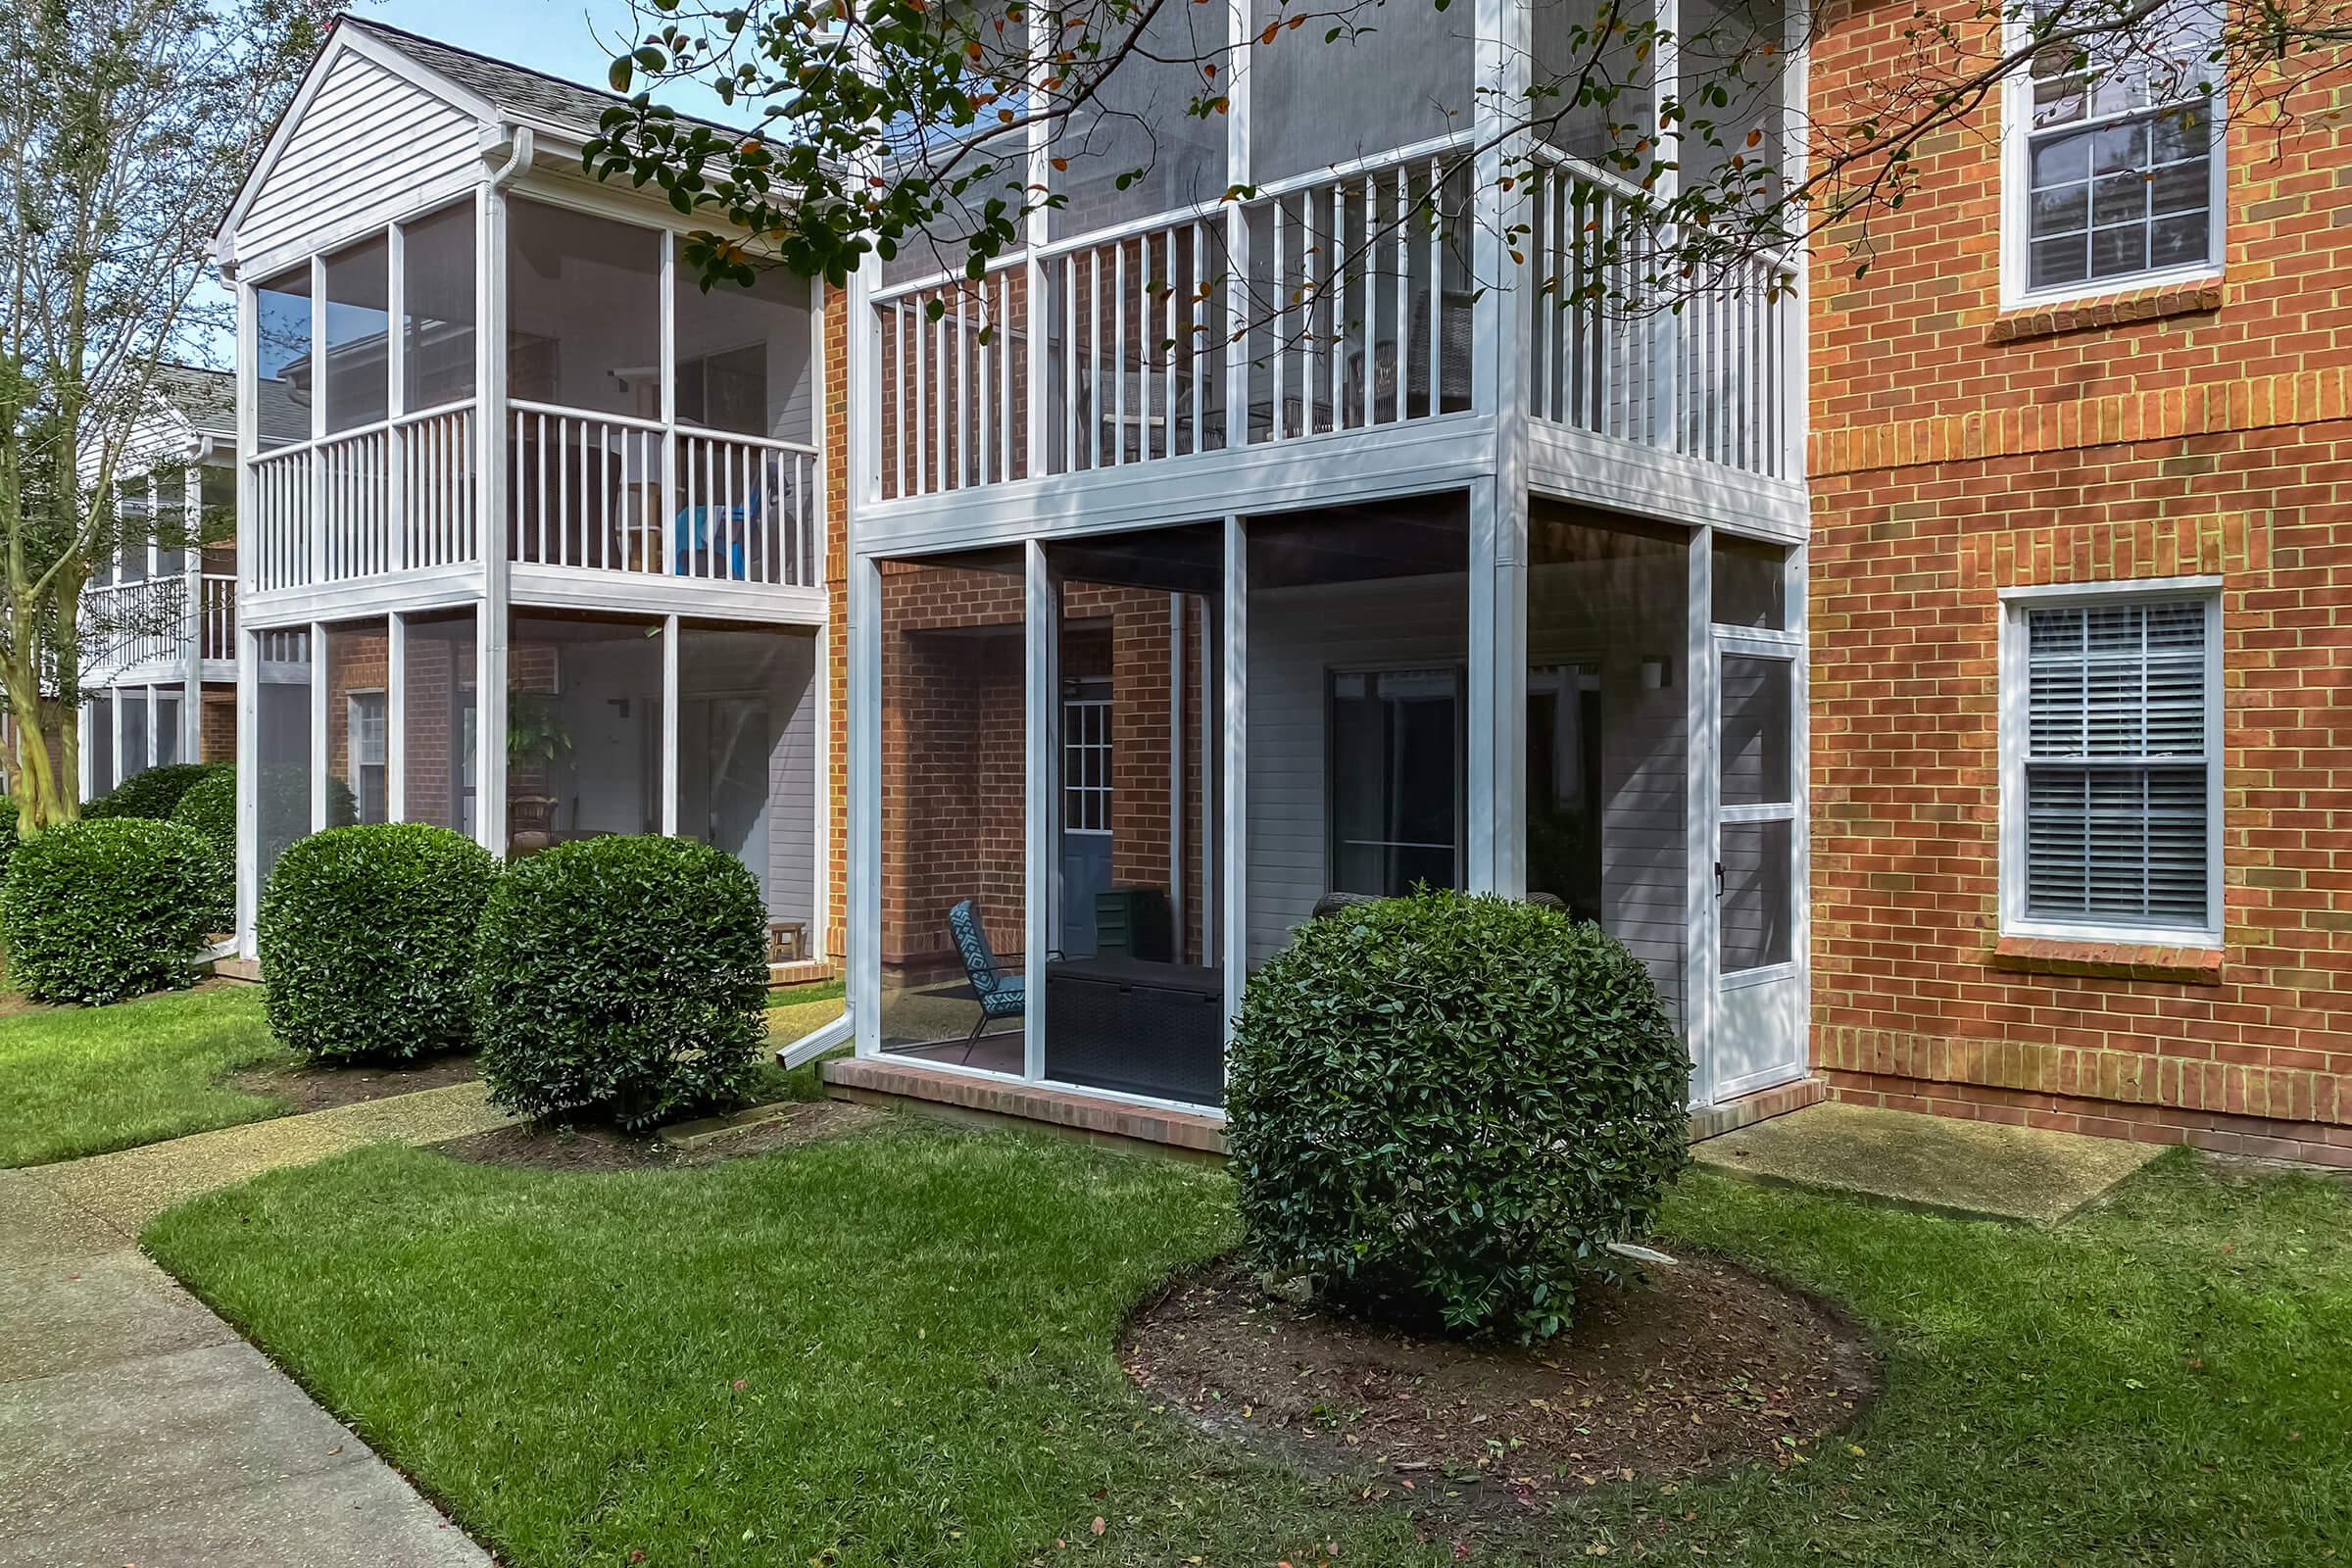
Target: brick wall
(953, 747)
(1958, 451)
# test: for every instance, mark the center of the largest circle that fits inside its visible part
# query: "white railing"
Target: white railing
(749, 511)
(1361, 304)
(1704, 373)
(324, 511)
(583, 489)
(274, 525)
(1357, 311)
(127, 624)
(615, 493)
(355, 518)
(216, 616)
(437, 502)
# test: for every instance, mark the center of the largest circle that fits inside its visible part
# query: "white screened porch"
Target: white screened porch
(1129, 762)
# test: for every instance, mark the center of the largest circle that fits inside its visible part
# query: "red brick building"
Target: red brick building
(2081, 474)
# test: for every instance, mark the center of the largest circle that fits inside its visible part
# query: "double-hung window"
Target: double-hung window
(2113, 176)
(2111, 763)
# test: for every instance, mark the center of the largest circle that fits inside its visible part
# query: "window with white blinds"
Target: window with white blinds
(2119, 809)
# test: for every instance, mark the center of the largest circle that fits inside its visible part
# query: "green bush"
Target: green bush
(8, 834)
(210, 807)
(367, 938)
(98, 911)
(153, 794)
(621, 977)
(1442, 1108)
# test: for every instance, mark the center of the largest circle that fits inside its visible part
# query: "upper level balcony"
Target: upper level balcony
(1330, 285)
(543, 384)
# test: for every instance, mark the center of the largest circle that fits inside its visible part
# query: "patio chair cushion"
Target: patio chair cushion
(979, 959)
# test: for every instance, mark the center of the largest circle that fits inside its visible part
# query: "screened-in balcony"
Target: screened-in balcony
(636, 424)
(1324, 273)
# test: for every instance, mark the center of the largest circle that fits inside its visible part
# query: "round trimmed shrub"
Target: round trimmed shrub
(1442, 1108)
(621, 977)
(153, 794)
(367, 938)
(210, 807)
(98, 911)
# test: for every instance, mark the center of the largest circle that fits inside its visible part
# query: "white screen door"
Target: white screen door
(1758, 1037)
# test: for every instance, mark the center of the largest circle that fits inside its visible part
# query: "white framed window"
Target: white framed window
(2111, 763)
(366, 731)
(1086, 756)
(2111, 156)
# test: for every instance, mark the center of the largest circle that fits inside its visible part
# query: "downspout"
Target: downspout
(518, 154)
(817, 1041)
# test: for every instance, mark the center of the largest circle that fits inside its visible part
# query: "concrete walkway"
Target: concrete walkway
(1941, 1164)
(137, 1427)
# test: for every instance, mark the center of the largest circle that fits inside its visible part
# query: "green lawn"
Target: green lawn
(895, 1348)
(85, 1080)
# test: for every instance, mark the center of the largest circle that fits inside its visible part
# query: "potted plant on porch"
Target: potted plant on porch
(535, 738)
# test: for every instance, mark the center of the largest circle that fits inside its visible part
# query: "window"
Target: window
(1086, 754)
(1395, 780)
(365, 719)
(2111, 767)
(2115, 171)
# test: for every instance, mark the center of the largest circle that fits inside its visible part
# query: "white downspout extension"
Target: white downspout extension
(817, 1041)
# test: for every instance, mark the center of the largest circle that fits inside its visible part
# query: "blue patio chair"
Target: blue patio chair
(1001, 994)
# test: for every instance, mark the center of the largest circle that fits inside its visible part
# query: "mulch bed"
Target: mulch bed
(323, 1086)
(1701, 1367)
(598, 1148)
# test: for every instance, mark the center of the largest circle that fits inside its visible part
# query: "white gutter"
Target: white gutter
(817, 1041)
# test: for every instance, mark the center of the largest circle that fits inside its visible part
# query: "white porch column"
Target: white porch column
(1041, 626)
(191, 579)
(244, 645)
(396, 718)
(1701, 979)
(669, 726)
(1232, 891)
(497, 528)
(249, 774)
(1497, 795)
(318, 790)
(862, 646)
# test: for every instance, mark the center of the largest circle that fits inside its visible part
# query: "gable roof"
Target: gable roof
(515, 90)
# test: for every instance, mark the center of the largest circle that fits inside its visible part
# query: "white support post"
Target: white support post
(249, 771)
(247, 647)
(496, 530)
(191, 579)
(669, 726)
(1496, 787)
(318, 753)
(313, 466)
(396, 718)
(862, 646)
(1179, 908)
(1700, 853)
(1240, 89)
(1666, 329)
(669, 408)
(1800, 767)
(1041, 624)
(1233, 904)
(396, 394)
